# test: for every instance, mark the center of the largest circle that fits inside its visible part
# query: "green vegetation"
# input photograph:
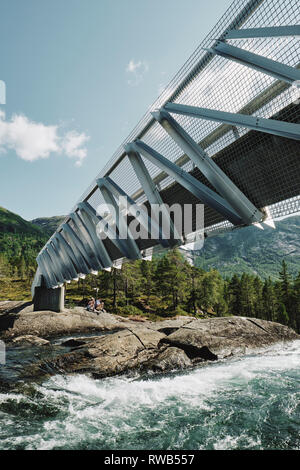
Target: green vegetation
(235, 274)
(254, 251)
(169, 286)
(20, 242)
(49, 224)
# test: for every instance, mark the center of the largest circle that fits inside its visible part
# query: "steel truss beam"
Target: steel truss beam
(270, 126)
(98, 243)
(45, 261)
(151, 192)
(65, 258)
(96, 218)
(265, 32)
(54, 268)
(50, 279)
(202, 192)
(141, 216)
(63, 267)
(262, 64)
(59, 269)
(109, 196)
(78, 266)
(223, 184)
(78, 249)
(86, 240)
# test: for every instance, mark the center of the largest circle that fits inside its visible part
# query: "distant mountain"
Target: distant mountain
(13, 223)
(49, 224)
(253, 250)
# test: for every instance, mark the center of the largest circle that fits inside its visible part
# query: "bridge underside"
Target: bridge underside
(238, 154)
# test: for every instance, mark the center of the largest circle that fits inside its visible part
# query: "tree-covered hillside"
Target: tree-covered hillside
(49, 224)
(20, 242)
(13, 223)
(254, 251)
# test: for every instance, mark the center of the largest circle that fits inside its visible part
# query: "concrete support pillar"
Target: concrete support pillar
(49, 299)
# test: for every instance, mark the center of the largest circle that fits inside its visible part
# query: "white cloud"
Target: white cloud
(137, 71)
(32, 140)
(73, 145)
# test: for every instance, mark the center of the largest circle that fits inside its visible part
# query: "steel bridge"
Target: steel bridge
(225, 133)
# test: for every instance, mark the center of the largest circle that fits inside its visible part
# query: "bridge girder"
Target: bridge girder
(202, 192)
(257, 62)
(225, 187)
(270, 126)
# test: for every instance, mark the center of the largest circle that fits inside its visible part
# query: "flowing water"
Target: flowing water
(250, 402)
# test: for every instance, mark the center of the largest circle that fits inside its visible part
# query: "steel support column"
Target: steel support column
(226, 188)
(269, 126)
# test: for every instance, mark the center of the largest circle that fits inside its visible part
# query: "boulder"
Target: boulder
(167, 360)
(221, 337)
(49, 324)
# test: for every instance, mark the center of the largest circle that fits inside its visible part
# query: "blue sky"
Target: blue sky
(79, 75)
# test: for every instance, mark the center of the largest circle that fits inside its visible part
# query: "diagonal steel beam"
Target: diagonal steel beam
(254, 61)
(65, 258)
(78, 249)
(120, 221)
(79, 268)
(223, 184)
(119, 244)
(270, 126)
(47, 270)
(151, 192)
(142, 217)
(202, 192)
(265, 32)
(50, 282)
(59, 268)
(53, 267)
(86, 241)
(97, 241)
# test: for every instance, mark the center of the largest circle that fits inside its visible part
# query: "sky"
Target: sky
(79, 75)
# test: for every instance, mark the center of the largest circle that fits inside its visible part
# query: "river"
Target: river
(248, 402)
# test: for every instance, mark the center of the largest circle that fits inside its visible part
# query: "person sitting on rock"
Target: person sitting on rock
(99, 304)
(91, 305)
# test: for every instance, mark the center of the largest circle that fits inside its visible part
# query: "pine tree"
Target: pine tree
(268, 300)
(282, 315)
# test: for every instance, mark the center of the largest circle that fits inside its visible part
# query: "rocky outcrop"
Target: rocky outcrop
(20, 321)
(145, 347)
(131, 345)
(222, 337)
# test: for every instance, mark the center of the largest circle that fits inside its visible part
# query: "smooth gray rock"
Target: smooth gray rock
(222, 337)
